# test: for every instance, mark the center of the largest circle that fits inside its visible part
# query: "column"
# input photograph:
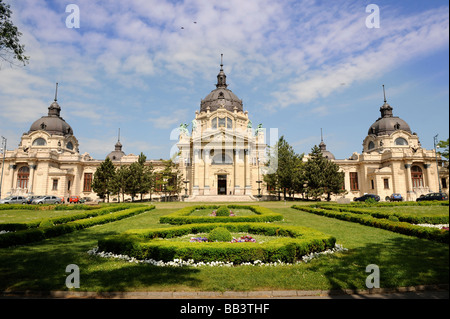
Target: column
(409, 189)
(207, 163)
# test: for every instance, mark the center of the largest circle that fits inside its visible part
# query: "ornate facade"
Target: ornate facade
(223, 155)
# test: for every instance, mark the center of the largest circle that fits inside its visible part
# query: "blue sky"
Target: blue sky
(144, 65)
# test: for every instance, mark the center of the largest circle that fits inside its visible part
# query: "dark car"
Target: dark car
(432, 196)
(366, 197)
(394, 198)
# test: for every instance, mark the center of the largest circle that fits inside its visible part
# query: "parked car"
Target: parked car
(47, 200)
(433, 196)
(73, 199)
(394, 198)
(14, 200)
(366, 197)
(31, 198)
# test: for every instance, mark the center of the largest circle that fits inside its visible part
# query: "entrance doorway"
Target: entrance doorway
(221, 184)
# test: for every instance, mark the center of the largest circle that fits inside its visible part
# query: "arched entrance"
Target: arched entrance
(221, 184)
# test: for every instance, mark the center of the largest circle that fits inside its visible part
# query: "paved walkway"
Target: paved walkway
(417, 292)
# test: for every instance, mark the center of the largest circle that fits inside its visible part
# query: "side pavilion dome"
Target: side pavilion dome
(388, 123)
(53, 123)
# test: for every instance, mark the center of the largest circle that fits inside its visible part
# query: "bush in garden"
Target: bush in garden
(222, 211)
(220, 234)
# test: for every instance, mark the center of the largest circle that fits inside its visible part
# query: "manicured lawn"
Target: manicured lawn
(22, 216)
(403, 260)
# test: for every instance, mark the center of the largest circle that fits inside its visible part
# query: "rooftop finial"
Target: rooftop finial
(221, 62)
(321, 135)
(56, 92)
(384, 92)
(119, 136)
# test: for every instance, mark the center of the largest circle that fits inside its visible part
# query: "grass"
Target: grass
(21, 216)
(403, 261)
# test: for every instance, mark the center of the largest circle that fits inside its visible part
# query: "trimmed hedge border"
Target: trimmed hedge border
(48, 207)
(403, 217)
(65, 219)
(23, 237)
(398, 227)
(181, 216)
(294, 242)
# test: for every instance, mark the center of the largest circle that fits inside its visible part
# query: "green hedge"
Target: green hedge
(398, 227)
(181, 216)
(67, 218)
(293, 243)
(48, 207)
(403, 217)
(37, 234)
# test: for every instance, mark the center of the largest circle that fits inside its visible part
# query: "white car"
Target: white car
(14, 200)
(47, 200)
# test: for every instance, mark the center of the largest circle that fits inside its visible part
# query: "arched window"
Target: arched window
(401, 141)
(39, 142)
(371, 145)
(22, 177)
(416, 176)
(70, 146)
(229, 123)
(214, 123)
(222, 159)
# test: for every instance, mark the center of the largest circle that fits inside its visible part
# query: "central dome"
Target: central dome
(221, 97)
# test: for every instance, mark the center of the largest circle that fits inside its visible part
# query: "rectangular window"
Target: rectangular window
(87, 185)
(386, 183)
(55, 185)
(373, 186)
(354, 186)
(444, 183)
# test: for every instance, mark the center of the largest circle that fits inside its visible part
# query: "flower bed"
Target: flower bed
(182, 216)
(290, 243)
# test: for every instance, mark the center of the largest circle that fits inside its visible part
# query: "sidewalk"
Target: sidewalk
(417, 292)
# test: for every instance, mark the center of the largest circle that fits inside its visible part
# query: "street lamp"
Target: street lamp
(3, 163)
(437, 165)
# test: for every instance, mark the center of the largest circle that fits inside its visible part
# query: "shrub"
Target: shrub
(393, 218)
(45, 223)
(220, 234)
(222, 211)
(180, 217)
(36, 234)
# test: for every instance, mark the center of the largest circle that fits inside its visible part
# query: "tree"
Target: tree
(443, 145)
(133, 180)
(314, 173)
(289, 172)
(322, 176)
(10, 47)
(119, 182)
(103, 178)
(170, 180)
